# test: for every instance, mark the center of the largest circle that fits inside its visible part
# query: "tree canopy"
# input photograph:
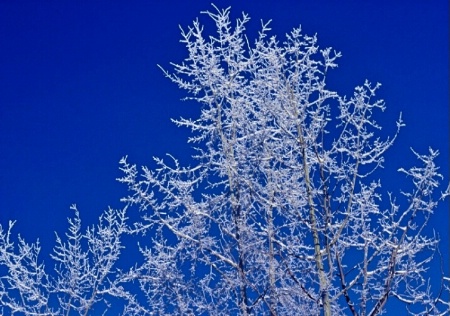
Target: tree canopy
(281, 213)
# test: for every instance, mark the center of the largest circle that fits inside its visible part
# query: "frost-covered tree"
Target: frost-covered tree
(281, 213)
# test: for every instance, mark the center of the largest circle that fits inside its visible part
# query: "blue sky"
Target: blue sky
(80, 88)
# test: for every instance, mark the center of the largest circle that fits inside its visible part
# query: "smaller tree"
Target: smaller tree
(84, 274)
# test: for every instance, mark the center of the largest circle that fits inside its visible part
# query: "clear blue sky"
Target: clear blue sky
(79, 89)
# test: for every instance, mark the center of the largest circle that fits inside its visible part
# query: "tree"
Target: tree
(281, 214)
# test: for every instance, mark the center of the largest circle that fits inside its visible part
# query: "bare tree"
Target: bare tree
(281, 214)
(82, 274)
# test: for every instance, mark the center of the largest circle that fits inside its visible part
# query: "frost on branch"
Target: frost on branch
(84, 276)
(281, 213)
(23, 281)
